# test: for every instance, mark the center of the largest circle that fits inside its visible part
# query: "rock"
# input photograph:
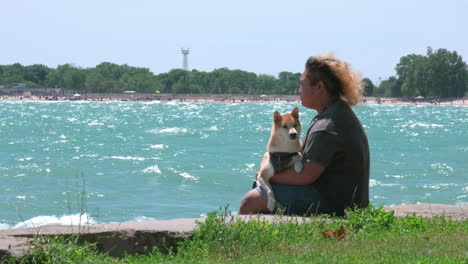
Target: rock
(115, 239)
(11, 246)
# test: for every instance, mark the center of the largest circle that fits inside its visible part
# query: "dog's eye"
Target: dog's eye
(295, 125)
(285, 126)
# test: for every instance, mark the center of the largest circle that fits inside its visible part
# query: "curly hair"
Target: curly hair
(337, 76)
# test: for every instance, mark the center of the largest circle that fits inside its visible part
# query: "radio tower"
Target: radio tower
(185, 52)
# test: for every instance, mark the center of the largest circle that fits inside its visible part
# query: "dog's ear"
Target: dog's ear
(295, 113)
(277, 117)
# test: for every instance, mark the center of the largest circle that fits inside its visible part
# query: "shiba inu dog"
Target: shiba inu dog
(283, 151)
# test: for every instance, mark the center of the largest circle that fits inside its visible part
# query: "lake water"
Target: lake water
(63, 162)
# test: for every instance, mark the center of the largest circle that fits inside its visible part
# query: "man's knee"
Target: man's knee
(253, 203)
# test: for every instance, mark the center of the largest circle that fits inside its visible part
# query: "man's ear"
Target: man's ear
(320, 85)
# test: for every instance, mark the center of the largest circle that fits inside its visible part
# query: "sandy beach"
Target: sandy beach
(212, 98)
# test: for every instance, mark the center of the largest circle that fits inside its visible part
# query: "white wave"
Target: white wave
(21, 197)
(158, 146)
(442, 168)
(152, 169)
(389, 184)
(23, 159)
(233, 212)
(170, 130)
(394, 176)
(89, 155)
(76, 219)
(127, 158)
(465, 149)
(4, 226)
(425, 125)
(173, 130)
(213, 128)
(373, 183)
(251, 165)
(143, 218)
(188, 176)
(95, 123)
(439, 186)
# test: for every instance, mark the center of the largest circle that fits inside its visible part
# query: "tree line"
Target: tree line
(113, 78)
(440, 73)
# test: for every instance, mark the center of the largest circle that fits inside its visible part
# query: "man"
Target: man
(335, 173)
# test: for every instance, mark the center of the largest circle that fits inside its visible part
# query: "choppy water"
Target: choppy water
(123, 161)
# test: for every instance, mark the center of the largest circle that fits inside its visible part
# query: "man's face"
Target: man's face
(308, 92)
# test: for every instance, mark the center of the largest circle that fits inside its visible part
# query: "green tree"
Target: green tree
(368, 87)
(389, 88)
(448, 72)
(287, 83)
(441, 73)
(199, 81)
(13, 74)
(36, 73)
(265, 84)
(409, 71)
(179, 87)
(169, 79)
(73, 78)
(94, 82)
(53, 79)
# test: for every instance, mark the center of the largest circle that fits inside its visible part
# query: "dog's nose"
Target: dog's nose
(293, 135)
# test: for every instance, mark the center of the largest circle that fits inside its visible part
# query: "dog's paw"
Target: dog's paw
(271, 205)
(298, 166)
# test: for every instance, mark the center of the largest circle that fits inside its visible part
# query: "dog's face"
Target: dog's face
(288, 125)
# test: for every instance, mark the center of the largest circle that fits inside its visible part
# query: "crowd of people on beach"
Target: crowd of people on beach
(224, 98)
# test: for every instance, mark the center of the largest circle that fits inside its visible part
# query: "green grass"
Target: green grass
(372, 236)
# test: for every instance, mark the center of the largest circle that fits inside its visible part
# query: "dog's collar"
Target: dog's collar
(283, 154)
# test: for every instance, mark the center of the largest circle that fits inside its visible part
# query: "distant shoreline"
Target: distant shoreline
(213, 98)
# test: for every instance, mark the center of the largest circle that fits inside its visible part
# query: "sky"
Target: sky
(264, 37)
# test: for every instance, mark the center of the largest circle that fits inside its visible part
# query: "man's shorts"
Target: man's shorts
(297, 199)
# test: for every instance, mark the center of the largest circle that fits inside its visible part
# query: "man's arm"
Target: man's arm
(309, 174)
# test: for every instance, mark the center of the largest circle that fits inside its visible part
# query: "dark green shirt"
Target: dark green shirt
(336, 140)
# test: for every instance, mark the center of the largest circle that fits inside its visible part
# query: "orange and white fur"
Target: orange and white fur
(284, 138)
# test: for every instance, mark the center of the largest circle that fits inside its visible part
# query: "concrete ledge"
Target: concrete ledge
(454, 212)
(133, 237)
(112, 238)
